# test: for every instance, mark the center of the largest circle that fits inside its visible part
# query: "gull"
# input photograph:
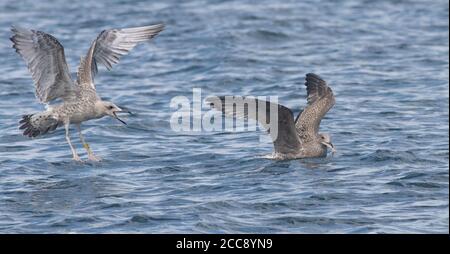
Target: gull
(78, 99)
(296, 138)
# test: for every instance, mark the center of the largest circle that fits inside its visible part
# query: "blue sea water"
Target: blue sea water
(386, 61)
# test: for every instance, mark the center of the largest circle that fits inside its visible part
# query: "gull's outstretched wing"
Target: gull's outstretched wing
(109, 46)
(45, 58)
(285, 139)
(320, 100)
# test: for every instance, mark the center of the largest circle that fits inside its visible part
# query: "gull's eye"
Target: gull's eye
(110, 107)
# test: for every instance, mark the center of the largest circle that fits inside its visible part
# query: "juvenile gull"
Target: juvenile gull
(46, 61)
(299, 138)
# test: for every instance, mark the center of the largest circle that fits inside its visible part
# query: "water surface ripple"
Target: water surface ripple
(387, 62)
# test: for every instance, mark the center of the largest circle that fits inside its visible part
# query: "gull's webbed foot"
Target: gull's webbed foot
(92, 157)
(77, 158)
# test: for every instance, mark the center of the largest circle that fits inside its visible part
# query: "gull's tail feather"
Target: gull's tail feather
(37, 124)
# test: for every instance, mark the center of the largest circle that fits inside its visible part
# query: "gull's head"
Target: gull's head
(325, 140)
(105, 108)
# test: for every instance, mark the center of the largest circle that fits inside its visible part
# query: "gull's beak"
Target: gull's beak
(330, 145)
(119, 110)
(120, 120)
(123, 110)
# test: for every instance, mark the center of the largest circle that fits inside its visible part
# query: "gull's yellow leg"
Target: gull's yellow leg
(86, 146)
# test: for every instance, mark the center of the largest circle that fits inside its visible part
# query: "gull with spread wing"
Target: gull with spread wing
(295, 138)
(46, 61)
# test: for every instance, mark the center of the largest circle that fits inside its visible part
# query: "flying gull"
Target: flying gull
(296, 138)
(46, 61)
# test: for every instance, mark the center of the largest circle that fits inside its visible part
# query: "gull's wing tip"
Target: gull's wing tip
(160, 24)
(312, 76)
(17, 29)
(14, 28)
(13, 38)
(158, 27)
